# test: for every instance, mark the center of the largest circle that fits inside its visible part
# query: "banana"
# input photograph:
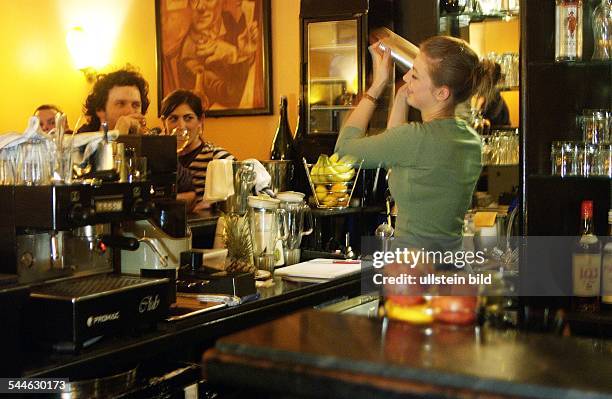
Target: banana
(348, 159)
(334, 158)
(347, 176)
(343, 167)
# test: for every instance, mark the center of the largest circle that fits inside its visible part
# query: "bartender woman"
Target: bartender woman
(435, 164)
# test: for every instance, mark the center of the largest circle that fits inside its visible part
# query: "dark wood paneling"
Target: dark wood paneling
(328, 8)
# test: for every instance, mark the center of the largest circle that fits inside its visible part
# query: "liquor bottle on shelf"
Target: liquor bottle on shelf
(283, 147)
(602, 31)
(606, 269)
(568, 30)
(586, 264)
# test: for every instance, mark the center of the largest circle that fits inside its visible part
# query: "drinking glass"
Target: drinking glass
(584, 160)
(487, 150)
(562, 158)
(182, 137)
(34, 163)
(595, 125)
(137, 169)
(8, 166)
(603, 160)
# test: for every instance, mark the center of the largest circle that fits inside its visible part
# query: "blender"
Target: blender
(267, 226)
(296, 211)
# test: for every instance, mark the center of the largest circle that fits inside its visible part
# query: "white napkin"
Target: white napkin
(262, 177)
(219, 180)
(13, 139)
(90, 139)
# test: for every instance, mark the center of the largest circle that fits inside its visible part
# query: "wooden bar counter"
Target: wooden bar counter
(328, 355)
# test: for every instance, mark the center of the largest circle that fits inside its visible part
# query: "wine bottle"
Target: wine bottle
(300, 131)
(606, 269)
(283, 147)
(568, 30)
(586, 264)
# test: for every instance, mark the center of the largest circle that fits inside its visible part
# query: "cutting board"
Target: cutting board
(319, 269)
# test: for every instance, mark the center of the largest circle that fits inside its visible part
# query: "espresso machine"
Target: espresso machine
(64, 241)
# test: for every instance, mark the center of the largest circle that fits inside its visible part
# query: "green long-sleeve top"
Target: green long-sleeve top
(435, 166)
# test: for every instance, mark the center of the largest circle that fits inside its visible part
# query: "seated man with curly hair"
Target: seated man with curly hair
(119, 98)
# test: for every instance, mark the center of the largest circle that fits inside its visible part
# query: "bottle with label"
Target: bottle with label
(606, 269)
(586, 264)
(568, 30)
(283, 147)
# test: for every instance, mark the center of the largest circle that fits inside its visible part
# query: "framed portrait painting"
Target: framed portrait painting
(220, 49)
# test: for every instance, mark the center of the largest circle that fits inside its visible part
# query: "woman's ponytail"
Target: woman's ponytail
(485, 76)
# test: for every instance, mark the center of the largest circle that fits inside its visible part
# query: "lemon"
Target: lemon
(343, 200)
(330, 200)
(417, 314)
(338, 188)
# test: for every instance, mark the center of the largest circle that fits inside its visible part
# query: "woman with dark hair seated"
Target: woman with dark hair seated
(182, 115)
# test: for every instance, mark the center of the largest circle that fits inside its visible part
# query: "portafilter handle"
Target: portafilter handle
(126, 243)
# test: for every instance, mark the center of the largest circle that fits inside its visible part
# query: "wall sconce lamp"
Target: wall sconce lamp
(85, 52)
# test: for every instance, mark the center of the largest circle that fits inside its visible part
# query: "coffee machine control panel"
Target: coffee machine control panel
(70, 206)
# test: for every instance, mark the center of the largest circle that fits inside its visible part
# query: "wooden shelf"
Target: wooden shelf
(509, 88)
(571, 178)
(335, 47)
(332, 107)
(328, 80)
(572, 64)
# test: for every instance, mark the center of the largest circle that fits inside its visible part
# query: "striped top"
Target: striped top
(197, 163)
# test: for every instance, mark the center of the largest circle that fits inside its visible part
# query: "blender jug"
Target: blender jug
(266, 223)
(296, 211)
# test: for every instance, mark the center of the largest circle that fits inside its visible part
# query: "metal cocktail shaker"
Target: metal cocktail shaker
(403, 52)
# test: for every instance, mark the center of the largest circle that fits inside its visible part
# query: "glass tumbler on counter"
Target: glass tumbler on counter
(8, 166)
(34, 163)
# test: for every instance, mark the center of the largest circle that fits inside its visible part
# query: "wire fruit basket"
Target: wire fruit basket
(332, 185)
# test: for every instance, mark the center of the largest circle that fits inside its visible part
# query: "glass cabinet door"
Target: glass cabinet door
(333, 74)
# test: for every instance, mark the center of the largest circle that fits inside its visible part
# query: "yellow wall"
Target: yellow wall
(37, 68)
(500, 37)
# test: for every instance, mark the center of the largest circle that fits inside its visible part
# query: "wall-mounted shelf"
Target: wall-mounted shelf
(332, 79)
(335, 47)
(509, 88)
(572, 64)
(332, 107)
(477, 17)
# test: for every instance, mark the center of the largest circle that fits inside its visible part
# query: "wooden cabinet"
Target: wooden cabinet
(553, 95)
